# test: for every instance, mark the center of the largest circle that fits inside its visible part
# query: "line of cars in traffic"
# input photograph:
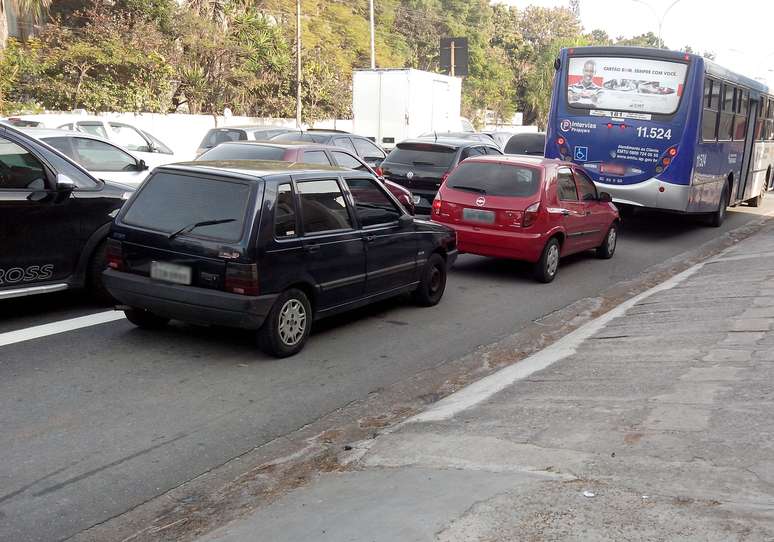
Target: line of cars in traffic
(269, 236)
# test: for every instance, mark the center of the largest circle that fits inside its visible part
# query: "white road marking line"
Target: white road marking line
(63, 326)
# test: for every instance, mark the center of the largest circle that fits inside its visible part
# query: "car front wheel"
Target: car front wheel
(432, 283)
(548, 264)
(287, 326)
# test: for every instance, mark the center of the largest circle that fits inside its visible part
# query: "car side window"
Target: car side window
(344, 143)
(492, 150)
(93, 128)
(127, 137)
(367, 149)
(19, 169)
(588, 192)
(348, 161)
(566, 186)
(372, 205)
(285, 213)
(316, 157)
(100, 156)
(323, 207)
(472, 151)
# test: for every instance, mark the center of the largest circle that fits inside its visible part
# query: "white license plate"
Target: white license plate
(169, 272)
(478, 215)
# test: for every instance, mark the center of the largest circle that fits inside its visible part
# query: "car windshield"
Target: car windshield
(234, 151)
(495, 179)
(532, 144)
(422, 155)
(168, 202)
(223, 135)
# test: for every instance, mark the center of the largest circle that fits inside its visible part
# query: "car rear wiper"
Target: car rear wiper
(469, 188)
(192, 227)
(421, 163)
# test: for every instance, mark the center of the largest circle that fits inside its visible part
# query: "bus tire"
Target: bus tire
(757, 201)
(717, 218)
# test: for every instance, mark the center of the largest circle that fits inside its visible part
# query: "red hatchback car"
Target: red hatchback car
(524, 208)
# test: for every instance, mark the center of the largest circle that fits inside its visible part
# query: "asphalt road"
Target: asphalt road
(95, 421)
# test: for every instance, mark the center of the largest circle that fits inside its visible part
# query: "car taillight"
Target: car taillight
(379, 171)
(114, 255)
(530, 215)
(242, 278)
(437, 204)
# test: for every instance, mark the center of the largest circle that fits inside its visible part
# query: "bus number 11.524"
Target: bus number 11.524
(654, 133)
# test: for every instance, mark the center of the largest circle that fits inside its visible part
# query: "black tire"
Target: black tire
(287, 326)
(717, 218)
(606, 250)
(97, 264)
(546, 267)
(145, 319)
(757, 202)
(432, 284)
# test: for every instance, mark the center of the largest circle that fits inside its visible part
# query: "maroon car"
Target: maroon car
(307, 153)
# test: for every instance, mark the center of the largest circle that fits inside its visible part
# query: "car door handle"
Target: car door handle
(313, 249)
(566, 212)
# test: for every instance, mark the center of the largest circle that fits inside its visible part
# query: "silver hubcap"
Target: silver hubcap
(611, 240)
(552, 261)
(292, 322)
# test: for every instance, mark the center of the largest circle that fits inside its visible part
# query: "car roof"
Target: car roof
(286, 144)
(449, 142)
(40, 133)
(254, 169)
(520, 160)
(251, 127)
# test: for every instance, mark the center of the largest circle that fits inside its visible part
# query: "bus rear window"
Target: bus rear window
(168, 202)
(629, 84)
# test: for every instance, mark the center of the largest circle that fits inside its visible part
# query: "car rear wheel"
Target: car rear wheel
(432, 283)
(287, 326)
(97, 265)
(606, 250)
(145, 319)
(548, 264)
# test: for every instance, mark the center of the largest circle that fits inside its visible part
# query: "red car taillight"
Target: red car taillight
(530, 215)
(114, 255)
(379, 171)
(242, 278)
(437, 204)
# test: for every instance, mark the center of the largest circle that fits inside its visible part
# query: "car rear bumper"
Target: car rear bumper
(510, 245)
(187, 303)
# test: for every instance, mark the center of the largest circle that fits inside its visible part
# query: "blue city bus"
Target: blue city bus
(663, 129)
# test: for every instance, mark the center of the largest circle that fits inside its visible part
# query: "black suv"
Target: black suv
(54, 219)
(422, 166)
(268, 246)
(360, 146)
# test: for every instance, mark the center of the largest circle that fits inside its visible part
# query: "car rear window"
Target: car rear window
(495, 179)
(422, 155)
(168, 202)
(223, 135)
(232, 151)
(532, 144)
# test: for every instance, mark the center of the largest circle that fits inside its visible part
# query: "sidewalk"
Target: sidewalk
(655, 422)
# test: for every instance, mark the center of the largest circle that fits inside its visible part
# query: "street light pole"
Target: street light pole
(373, 48)
(659, 19)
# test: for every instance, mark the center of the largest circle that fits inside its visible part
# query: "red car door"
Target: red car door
(573, 212)
(599, 216)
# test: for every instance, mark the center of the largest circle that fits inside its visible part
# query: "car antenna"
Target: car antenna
(436, 135)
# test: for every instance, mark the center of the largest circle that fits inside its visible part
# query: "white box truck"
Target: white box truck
(390, 105)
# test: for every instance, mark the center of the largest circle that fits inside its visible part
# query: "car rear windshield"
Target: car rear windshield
(493, 179)
(232, 151)
(168, 202)
(223, 135)
(421, 154)
(532, 144)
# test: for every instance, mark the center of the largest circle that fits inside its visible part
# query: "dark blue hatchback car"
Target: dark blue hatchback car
(268, 246)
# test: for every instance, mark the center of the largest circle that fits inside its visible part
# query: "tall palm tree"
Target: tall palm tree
(28, 13)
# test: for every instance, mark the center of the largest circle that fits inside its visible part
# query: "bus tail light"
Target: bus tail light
(241, 278)
(672, 152)
(666, 161)
(530, 215)
(114, 255)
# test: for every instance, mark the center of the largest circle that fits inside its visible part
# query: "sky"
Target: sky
(740, 32)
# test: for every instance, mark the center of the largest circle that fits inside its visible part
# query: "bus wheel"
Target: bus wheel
(717, 218)
(757, 202)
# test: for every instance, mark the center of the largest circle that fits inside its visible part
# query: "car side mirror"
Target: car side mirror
(64, 183)
(141, 165)
(604, 197)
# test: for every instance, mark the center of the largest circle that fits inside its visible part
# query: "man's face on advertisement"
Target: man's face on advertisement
(588, 72)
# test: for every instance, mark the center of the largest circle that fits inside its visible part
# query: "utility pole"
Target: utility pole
(373, 48)
(298, 64)
(451, 47)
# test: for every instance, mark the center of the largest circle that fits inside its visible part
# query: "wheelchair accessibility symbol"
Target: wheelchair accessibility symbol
(581, 154)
